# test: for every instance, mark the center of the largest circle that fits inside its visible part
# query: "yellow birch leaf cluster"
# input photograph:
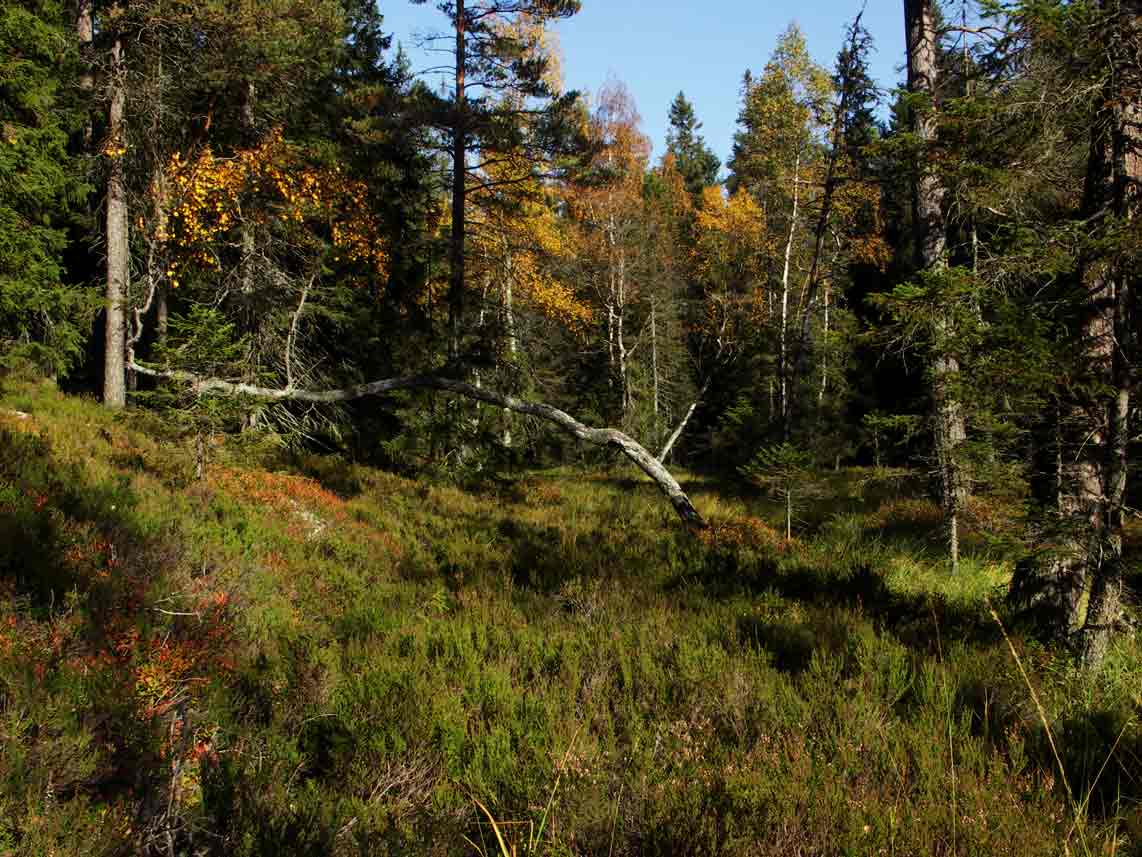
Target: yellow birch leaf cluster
(268, 183)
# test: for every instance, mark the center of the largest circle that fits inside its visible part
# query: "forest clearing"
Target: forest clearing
(315, 658)
(406, 448)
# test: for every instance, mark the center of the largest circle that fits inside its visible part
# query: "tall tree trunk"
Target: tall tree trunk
(950, 432)
(248, 242)
(654, 363)
(783, 355)
(459, 178)
(114, 353)
(85, 33)
(158, 287)
(510, 335)
(616, 309)
(1092, 425)
(931, 242)
(481, 323)
(254, 317)
(612, 361)
(1125, 189)
(825, 355)
(620, 340)
(1114, 175)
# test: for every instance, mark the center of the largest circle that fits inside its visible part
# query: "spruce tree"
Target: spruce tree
(42, 316)
(695, 161)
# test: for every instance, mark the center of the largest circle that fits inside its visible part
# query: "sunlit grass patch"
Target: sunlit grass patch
(974, 580)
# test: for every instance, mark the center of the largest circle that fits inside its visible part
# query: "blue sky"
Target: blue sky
(658, 47)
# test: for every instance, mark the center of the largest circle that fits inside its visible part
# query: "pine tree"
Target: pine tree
(493, 58)
(1084, 258)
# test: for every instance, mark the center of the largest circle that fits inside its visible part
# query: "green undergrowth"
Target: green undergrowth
(303, 657)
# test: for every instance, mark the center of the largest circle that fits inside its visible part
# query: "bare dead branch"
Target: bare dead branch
(293, 330)
(597, 436)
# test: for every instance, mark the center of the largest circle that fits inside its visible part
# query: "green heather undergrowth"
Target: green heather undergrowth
(298, 656)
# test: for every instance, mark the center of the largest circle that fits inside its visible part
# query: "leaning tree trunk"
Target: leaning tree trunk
(931, 242)
(114, 352)
(681, 427)
(638, 454)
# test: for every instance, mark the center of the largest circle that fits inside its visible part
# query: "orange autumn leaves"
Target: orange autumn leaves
(270, 183)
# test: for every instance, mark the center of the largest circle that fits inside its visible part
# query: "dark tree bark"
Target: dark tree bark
(1113, 181)
(1092, 423)
(931, 244)
(85, 33)
(162, 313)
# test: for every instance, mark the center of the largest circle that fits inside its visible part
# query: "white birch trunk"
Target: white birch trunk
(509, 331)
(825, 352)
(654, 361)
(783, 359)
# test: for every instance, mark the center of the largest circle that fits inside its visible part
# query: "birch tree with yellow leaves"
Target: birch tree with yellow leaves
(778, 158)
(605, 201)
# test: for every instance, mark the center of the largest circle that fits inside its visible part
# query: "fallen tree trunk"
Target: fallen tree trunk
(597, 436)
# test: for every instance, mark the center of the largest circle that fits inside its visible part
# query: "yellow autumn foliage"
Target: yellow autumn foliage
(732, 238)
(272, 181)
(522, 237)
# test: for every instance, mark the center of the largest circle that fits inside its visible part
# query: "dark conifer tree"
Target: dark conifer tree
(42, 316)
(695, 160)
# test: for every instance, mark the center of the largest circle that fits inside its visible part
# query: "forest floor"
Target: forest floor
(301, 656)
